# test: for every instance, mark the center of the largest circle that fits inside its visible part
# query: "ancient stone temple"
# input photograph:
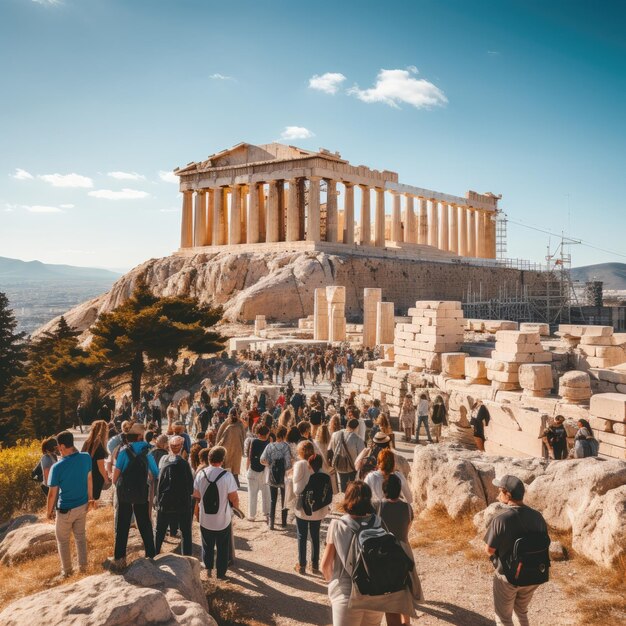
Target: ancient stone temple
(275, 194)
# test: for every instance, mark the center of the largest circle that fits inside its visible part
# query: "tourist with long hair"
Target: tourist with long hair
(96, 446)
(386, 468)
(231, 437)
(277, 457)
(585, 444)
(407, 417)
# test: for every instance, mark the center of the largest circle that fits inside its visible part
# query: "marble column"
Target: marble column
(365, 237)
(396, 218)
(186, 223)
(293, 217)
(385, 323)
(463, 249)
(313, 210)
(483, 234)
(272, 230)
(433, 224)
(262, 209)
(210, 195)
(320, 314)
(217, 226)
(379, 220)
(243, 212)
(252, 231)
(331, 210)
(422, 227)
(410, 223)
(234, 223)
(443, 227)
(199, 219)
(371, 297)
(453, 229)
(471, 233)
(348, 213)
(336, 299)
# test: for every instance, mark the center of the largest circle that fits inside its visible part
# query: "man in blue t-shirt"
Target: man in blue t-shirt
(70, 497)
(137, 503)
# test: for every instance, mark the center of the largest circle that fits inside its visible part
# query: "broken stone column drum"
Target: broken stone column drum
(336, 298)
(384, 323)
(371, 297)
(320, 315)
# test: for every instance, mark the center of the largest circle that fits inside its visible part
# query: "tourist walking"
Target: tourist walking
(480, 418)
(277, 457)
(96, 446)
(231, 437)
(438, 417)
(174, 496)
(133, 467)
(386, 467)
(256, 475)
(215, 493)
(585, 444)
(314, 493)
(407, 417)
(346, 446)
(70, 496)
(423, 408)
(512, 535)
(397, 515)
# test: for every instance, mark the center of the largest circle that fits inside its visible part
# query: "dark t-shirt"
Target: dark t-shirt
(397, 517)
(509, 526)
(96, 477)
(158, 454)
(256, 450)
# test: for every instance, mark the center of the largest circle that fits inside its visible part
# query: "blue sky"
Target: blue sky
(523, 98)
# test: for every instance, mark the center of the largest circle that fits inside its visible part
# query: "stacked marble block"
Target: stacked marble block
(489, 326)
(260, 324)
(575, 387)
(436, 327)
(513, 349)
(594, 346)
(329, 314)
(306, 323)
(608, 418)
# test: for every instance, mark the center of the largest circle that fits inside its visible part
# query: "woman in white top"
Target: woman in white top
(386, 467)
(309, 463)
(423, 408)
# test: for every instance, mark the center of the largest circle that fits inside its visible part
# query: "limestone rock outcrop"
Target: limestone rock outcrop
(586, 496)
(26, 542)
(171, 595)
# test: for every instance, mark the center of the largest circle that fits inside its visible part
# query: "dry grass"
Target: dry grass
(38, 574)
(228, 606)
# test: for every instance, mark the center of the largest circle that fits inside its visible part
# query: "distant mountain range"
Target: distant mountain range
(14, 271)
(613, 275)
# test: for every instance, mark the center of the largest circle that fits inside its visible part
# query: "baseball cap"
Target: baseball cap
(512, 484)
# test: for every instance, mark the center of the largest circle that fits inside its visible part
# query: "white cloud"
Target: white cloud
(125, 194)
(67, 180)
(168, 177)
(218, 76)
(21, 174)
(8, 208)
(395, 86)
(40, 208)
(494, 53)
(48, 3)
(126, 176)
(170, 210)
(328, 82)
(67, 206)
(296, 132)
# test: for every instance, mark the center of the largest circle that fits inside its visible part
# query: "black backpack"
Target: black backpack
(132, 486)
(529, 561)
(381, 565)
(37, 473)
(317, 494)
(369, 465)
(174, 488)
(277, 472)
(211, 495)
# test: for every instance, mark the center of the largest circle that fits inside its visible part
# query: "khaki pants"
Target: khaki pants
(67, 523)
(508, 598)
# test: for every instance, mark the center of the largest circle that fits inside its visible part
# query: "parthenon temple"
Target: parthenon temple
(266, 194)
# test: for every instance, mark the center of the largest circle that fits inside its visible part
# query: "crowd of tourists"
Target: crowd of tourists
(169, 466)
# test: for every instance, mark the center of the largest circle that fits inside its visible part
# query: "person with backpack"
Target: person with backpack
(256, 474)
(367, 461)
(386, 466)
(346, 446)
(396, 516)
(438, 417)
(314, 494)
(556, 437)
(130, 477)
(173, 496)
(518, 543)
(215, 495)
(367, 569)
(96, 446)
(69, 499)
(277, 457)
(49, 456)
(585, 444)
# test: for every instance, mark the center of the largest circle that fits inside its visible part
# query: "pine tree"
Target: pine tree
(147, 327)
(11, 346)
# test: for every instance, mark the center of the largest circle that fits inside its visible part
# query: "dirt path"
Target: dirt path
(264, 589)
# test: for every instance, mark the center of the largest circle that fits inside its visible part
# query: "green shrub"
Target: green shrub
(18, 492)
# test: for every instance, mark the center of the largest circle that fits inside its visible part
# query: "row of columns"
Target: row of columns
(280, 215)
